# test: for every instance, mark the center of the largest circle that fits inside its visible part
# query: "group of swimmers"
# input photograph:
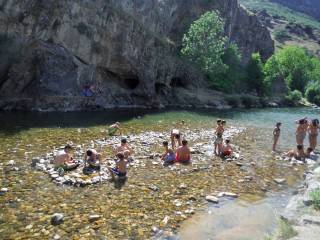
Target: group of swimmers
(178, 152)
(304, 127)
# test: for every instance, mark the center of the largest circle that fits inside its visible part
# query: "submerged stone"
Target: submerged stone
(279, 180)
(57, 219)
(93, 218)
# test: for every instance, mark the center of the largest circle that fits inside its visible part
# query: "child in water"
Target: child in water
(121, 167)
(227, 149)
(276, 136)
(218, 141)
(169, 156)
(301, 131)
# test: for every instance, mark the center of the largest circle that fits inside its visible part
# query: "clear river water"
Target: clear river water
(134, 211)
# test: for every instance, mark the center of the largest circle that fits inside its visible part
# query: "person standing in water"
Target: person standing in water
(219, 140)
(301, 131)
(313, 131)
(276, 136)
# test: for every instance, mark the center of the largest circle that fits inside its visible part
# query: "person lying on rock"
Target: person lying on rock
(64, 159)
(168, 156)
(120, 169)
(114, 128)
(227, 149)
(183, 154)
(93, 159)
(297, 153)
(175, 138)
(124, 146)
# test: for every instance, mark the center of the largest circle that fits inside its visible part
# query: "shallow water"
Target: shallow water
(131, 211)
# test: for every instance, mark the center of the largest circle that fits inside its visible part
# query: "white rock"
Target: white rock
(93, 218)
(279, 180)
(230, 194)
(11, 163)
(212, 199)
(4, 190)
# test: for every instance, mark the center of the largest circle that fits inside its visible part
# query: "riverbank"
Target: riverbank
(182, 99)
(300, 214)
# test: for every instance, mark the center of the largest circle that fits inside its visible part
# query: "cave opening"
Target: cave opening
(160, 88)
(132, 82)
(177, 82)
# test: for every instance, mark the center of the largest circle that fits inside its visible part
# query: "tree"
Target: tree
(204, 43)
(291, 64)
(255, 75)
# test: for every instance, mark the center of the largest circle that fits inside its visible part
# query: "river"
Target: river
(132, 211)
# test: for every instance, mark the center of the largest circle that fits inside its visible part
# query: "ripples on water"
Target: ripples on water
(129, 212)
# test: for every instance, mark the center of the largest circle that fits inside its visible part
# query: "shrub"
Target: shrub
(313, 93)
(291, 64)
(233, 101)
(293, 98)
(282, 35)
(285, 231)
(315, 196)
(248, 101)
(255, 74)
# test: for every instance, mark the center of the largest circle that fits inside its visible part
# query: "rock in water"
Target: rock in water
(279, 180)
(230, 194)
(212, 199)
(57, 219)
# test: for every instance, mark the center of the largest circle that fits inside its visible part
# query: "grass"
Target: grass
(278, 10)
(284, 231)
(315, 196)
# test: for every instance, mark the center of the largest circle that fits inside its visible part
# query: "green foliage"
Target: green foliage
(234, 74)
(255, 73)
(282, 35)
(285, 230)
(291, 64)
(315, 196)
(278, 10)
(293, 98)
(204, 43)
(313, 93)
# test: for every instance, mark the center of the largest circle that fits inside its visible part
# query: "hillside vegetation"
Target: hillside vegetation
(288, 26)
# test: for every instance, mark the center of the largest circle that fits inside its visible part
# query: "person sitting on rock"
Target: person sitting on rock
(114, 128)
(124, 146)
(120, 169)
(168, 156)
(64, 160)
(227, 149)
(175, 138)
(183, 154)
(93, 159)
(297, 153)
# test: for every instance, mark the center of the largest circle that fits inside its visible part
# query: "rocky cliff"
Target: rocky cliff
(128, 50)
(310, 7)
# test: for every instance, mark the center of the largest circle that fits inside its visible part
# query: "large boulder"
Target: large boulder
(127, 49)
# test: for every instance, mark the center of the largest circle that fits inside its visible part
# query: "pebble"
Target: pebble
(56, 237)
(279, 180)
(93, 218)
(57, 219)
(183, 186)
(29, 226)
(154, 229)
(212, 199)
(153, 188)
(11, 163)
(4, 190)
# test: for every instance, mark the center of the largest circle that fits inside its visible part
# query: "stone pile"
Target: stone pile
(144, 144)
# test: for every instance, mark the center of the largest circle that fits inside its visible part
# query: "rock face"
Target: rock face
(128, 50)
(310, 7)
